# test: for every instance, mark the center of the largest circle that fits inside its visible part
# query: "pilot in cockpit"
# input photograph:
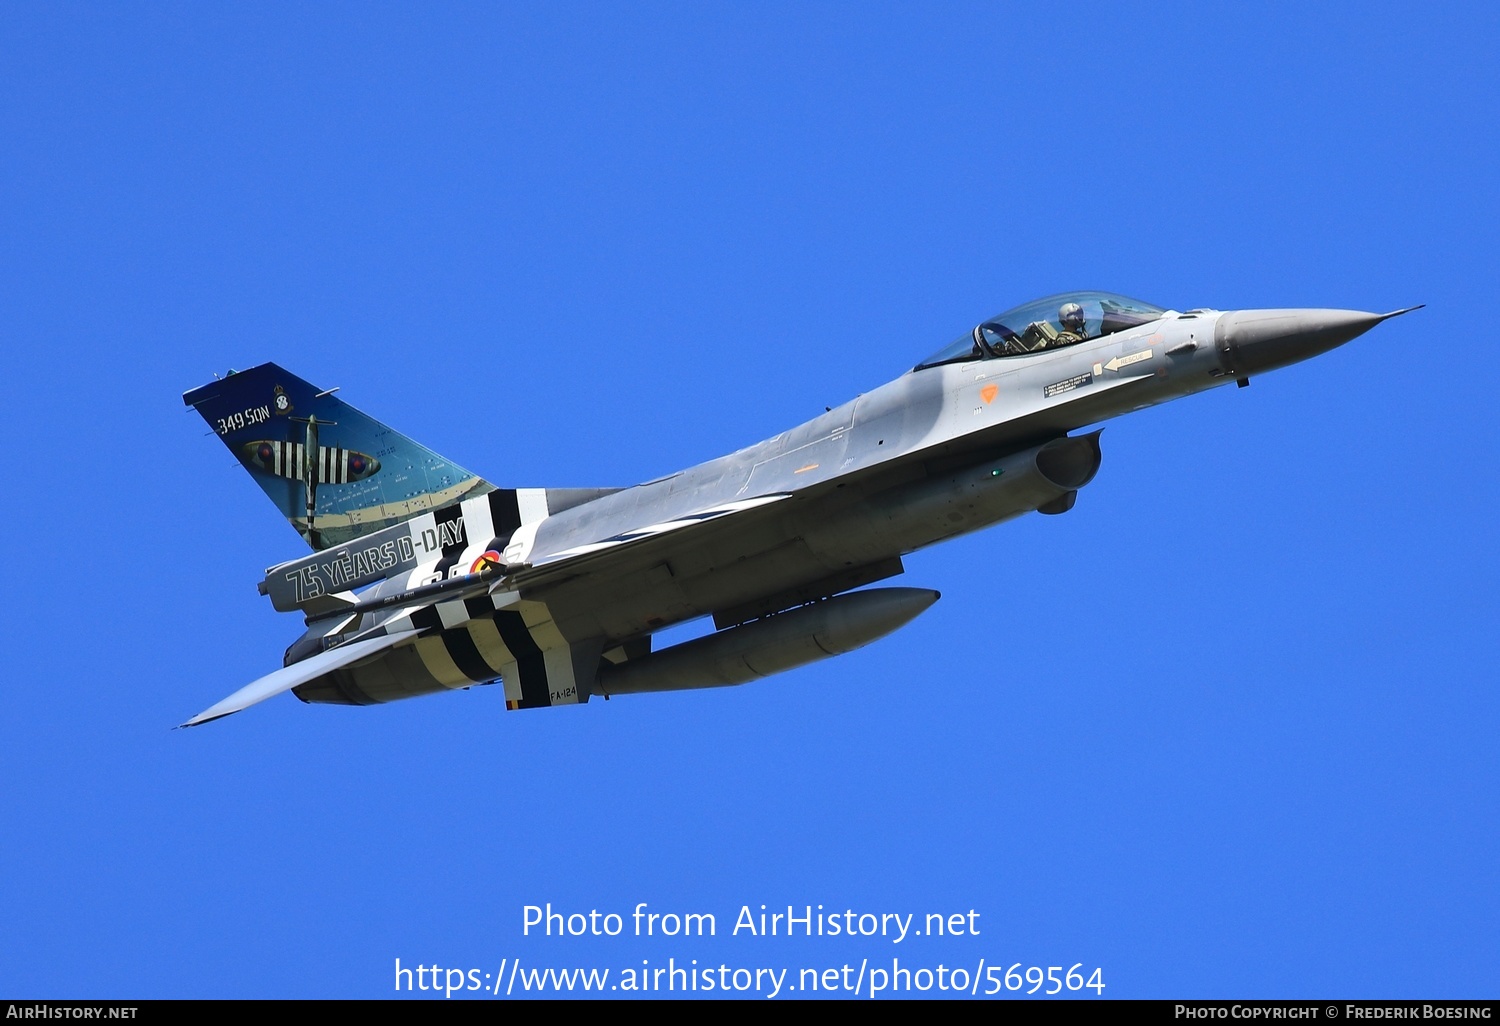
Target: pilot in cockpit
(1070, 316)
(1041, 335)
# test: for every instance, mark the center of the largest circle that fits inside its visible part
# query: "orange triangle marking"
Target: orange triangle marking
(988, 393)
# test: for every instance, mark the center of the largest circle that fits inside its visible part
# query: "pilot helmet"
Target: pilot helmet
(1071, 316)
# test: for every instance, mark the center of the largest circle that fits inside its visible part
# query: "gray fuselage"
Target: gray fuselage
(825, 507)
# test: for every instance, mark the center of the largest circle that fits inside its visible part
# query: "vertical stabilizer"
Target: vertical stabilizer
(333, 472)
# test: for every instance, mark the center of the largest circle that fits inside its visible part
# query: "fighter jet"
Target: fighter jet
(426, 578)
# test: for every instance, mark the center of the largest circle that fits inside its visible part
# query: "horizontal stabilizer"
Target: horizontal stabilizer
(288, 677)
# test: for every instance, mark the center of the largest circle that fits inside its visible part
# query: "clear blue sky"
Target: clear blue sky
(1225, 729)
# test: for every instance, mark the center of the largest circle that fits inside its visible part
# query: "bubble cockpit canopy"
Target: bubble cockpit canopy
(1050, 323)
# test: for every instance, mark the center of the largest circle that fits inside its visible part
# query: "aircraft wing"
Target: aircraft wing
(289, 677)
(638, 540)
(749, 522)
(746, 528)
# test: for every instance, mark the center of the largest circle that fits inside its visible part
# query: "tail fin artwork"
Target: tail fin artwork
(333, 472)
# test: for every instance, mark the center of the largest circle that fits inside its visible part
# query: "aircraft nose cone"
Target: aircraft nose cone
(1252, 341)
